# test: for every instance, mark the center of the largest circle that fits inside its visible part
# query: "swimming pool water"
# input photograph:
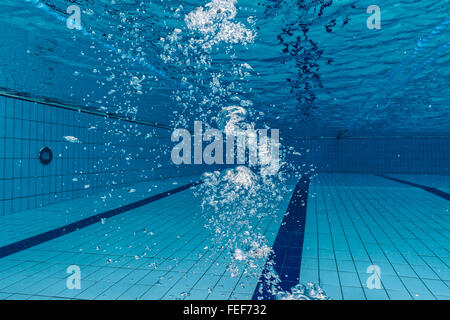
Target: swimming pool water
(224, 149)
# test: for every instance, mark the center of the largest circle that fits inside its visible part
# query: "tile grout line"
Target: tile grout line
(333, 199)
(426, 263)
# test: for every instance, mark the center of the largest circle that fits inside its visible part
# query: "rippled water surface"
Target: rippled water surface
(310, 66)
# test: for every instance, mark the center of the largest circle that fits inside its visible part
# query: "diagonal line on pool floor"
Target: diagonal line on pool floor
(431, 190)
(58, 232)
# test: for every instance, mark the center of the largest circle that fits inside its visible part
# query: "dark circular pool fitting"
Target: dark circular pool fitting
(46, 155)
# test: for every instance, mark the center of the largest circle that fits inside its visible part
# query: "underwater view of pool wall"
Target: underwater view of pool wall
(377, 155)
(90, 154)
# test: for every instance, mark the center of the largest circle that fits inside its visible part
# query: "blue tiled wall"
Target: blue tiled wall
(111, 153)
(115, 153)
(427, 155)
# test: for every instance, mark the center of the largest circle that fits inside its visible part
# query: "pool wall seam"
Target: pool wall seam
(87, 111)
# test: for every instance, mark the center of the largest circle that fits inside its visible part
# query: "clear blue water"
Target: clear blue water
(316, 67)
(364, 128)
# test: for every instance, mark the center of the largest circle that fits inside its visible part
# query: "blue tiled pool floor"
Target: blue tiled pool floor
(163, 251)
(357, 221)
(13, 228)
(159, 251)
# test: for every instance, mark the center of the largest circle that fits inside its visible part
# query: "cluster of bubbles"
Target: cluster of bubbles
(215, 23)
(231, 120)
(309, 291)
(236, 200)
(233, 202)
(230, 198)
(191, 47)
